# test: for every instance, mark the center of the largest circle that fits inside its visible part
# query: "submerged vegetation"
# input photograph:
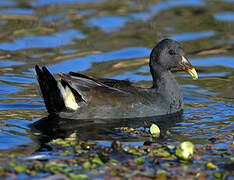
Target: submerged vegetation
(72, 158)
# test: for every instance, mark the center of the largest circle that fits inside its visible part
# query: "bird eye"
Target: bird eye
(171, 52)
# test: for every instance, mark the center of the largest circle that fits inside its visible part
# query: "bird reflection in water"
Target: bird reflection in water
(53, 127)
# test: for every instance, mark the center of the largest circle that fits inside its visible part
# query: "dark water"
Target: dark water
(113, 39)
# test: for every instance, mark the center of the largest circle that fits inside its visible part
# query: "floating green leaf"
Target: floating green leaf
(210, 165)
(161, 174)
(218, 175)
(20, 168)
(77, 176)
(154, 130)
(139, 160)
(185, 150)
(86, 165)
(97, 160)
(168, 132)
(171, 147)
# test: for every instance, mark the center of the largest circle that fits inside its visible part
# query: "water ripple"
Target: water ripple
(165, 5)
(49, 2)
(82, 63)
(8, 63)
(193, 35)
(225, 16)
(20, 11)
(107, 23)
(214, 61)
(50, 41)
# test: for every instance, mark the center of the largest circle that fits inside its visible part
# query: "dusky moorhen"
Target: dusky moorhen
(77, 96)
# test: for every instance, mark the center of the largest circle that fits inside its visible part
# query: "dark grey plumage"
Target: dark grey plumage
(78, 96)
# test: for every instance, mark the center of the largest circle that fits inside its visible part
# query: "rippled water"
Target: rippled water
(113, 39)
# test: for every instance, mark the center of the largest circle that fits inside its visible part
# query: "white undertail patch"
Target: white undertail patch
(68, 97)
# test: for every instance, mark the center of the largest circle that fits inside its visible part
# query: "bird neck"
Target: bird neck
(163, 80)
(167, 87)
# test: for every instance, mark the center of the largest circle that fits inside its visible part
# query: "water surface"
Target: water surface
(114, 39)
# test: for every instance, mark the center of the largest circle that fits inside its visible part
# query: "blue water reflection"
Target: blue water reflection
(132, 77)
(15, 79)
(82, 63)
(52, 17)
(22, 105)
(5, 63)
(107, 23)
(140, 16)
(215, 61)
(8, 89)
(225, 16)
(193, 35)
(10, 140)
(17, 11)
(165, 5)
(221, 74)
(86, 12)
(162, 6)
(54, 40)
(7, 3)
(49, 2)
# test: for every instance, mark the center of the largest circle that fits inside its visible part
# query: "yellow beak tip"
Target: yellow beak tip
(193, 73)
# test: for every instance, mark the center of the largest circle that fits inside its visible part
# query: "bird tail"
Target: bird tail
(49, 89)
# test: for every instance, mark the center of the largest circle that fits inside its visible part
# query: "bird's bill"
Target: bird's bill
(187, 66)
